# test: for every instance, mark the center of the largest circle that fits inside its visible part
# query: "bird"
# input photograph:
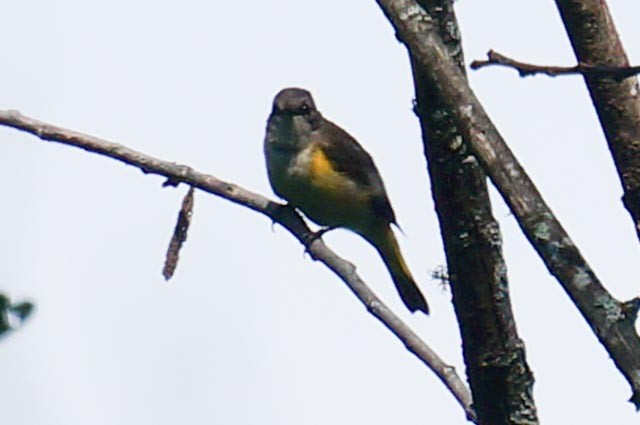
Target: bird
(321, 170)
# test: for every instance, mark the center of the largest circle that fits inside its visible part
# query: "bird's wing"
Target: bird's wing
(348, 157)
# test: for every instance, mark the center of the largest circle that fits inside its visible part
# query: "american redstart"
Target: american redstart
(320, 169)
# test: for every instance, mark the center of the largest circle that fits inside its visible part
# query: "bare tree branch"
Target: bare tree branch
(595, 42)
(611, 320)
(500, 379)
(283, 215)
(526, 69)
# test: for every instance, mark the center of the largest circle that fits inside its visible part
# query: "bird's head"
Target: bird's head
(293, 102)
(293, 119)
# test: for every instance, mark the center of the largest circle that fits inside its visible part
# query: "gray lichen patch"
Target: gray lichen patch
(581, 278)
(542, 231)
(612, 309)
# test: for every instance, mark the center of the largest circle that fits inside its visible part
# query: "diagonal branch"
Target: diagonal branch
(287, 217)
(526, 69)
(611, 320)
(595, 41)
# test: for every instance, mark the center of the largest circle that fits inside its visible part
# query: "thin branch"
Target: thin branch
(287, 217)
(611, 320)
(526, 69)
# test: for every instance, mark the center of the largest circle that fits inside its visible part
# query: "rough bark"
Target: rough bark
(500, 379)
(595, 42)
(611, 320)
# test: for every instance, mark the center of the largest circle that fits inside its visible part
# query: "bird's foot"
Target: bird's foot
(311, 237)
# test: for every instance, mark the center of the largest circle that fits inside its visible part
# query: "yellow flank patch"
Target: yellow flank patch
(320, 164)
(322, 172)
(329, 196)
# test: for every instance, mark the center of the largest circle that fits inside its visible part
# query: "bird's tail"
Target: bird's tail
(387, 246)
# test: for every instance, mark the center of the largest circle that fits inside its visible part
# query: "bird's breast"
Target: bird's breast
(310, 182)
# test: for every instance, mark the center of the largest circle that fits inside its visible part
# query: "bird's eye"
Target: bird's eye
(304, 109)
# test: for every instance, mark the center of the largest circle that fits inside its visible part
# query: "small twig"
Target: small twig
(526, 69)
(179, 235)
(287, 217)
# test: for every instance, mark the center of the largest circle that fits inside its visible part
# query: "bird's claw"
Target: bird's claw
(311, 237)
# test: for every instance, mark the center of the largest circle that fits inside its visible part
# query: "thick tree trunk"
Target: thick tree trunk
(500, 379)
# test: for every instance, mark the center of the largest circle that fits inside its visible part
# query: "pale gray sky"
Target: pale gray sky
(251, 331)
